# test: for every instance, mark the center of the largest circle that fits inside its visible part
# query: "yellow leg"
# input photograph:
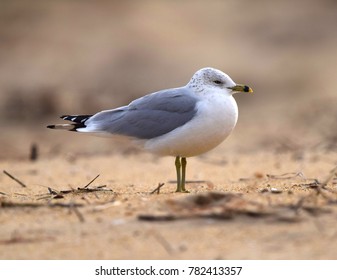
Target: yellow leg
(181, 174)
(178, 166)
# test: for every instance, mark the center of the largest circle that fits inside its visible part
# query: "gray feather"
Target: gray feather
(147, 117)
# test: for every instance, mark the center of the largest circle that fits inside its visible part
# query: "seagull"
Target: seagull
(180, 122)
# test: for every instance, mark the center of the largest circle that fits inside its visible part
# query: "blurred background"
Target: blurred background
(78, 57)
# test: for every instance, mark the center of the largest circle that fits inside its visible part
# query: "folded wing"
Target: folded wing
(147, 117)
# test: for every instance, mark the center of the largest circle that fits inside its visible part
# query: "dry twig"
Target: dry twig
(9, 204)
(15, 179)
(77, 212)
(157, 189)
(321, 187)
(87, 185)
(288, 175)
(55, 194)
(18, 239)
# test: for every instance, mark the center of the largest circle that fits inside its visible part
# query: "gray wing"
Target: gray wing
(147, 117)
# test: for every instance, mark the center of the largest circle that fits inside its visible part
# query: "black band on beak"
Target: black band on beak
(246, 89)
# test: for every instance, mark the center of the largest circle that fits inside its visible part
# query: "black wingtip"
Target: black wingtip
(52, 126)
(81, 119)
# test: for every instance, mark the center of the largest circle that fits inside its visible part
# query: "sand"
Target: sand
(241, 205)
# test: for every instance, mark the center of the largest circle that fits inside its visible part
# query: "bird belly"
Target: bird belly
(215, 119)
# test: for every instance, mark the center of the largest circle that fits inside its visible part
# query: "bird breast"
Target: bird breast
(215, 119)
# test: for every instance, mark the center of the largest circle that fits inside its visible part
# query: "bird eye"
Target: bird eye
(218, 82)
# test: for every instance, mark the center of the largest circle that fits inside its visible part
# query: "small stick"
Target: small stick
(157, 189)
(107, 205)
(322, 186)
(15, 179)
(87, 185)
(282, 176)
(162, 241)
(51, 191)
(333, 172)
(78, 213)
(8, 204)
(17, 239)
(33, 152)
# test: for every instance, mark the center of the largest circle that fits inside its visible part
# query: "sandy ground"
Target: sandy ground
(241, 205)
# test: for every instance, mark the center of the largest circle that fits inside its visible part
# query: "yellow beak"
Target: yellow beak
(241, 88)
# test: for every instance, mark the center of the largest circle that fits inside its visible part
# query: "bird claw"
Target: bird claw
(182, 191)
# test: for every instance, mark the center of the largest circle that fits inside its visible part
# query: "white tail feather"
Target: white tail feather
(62, 126)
